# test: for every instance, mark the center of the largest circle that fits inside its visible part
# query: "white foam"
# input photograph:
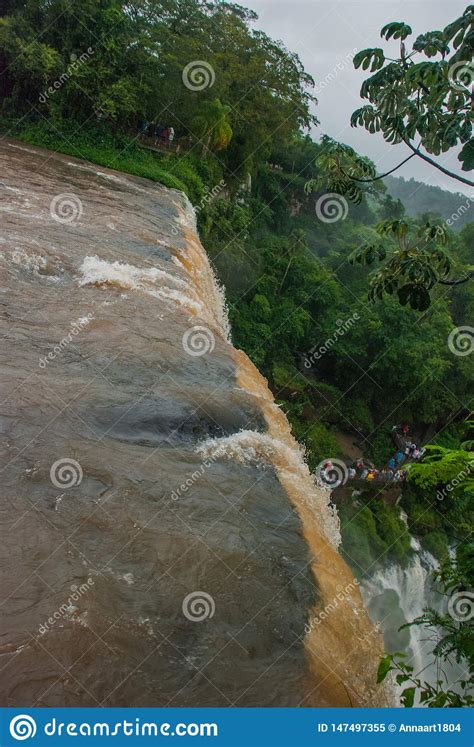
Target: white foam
(96, 271)
(261, 450)
(244, 447)
(178, 297)
(27, 261)
(20, 147)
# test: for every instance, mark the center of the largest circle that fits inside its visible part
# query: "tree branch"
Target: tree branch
(429, 160)
(382, 176)
(459, 281)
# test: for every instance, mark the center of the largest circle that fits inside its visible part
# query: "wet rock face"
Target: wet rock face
(137, 570)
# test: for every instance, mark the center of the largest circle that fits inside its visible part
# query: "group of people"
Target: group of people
(359, 470)
(162, 134)
(407, 451)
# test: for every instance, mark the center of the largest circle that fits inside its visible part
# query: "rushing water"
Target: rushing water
(181, 553)
(396, 595)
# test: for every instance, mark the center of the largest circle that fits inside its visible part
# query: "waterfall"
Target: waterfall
(185, 481)
(395, 595)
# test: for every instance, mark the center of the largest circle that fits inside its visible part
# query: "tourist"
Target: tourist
(143, 128)
(158, 133)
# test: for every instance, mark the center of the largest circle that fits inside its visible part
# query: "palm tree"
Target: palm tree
(212, 126)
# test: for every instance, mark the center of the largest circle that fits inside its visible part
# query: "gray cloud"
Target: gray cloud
(324, 35)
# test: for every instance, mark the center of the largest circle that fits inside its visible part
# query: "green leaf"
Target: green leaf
(408, 697)
(384, 667)
(404, 293)
(397, 30)
(367, 56)
(466, 156)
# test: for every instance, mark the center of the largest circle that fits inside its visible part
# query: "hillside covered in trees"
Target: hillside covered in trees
(343, 366)
(424, 199)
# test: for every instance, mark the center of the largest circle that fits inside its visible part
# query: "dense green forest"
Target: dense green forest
(341, 364)
(420, 199)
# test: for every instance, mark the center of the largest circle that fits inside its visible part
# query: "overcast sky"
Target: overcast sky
(326, 34)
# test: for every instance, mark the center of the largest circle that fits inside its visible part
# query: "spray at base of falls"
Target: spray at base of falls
(395, 596)
(413, 589)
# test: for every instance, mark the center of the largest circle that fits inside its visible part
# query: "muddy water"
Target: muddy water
(162, 541)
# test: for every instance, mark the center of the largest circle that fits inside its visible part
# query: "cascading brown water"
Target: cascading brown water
(163, 542)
